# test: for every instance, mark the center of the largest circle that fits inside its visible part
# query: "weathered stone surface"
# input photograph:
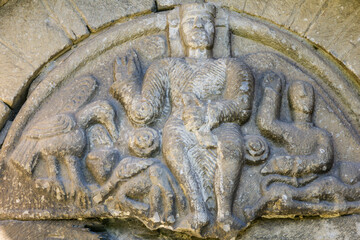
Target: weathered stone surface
(168, 4)
(4, 113)
(346, 227)
(15, 72)
(16, 230)
(100, 13)
(2, 2)
(352, 58)
(332, 21)
(201, 120)
(255, 7)
(281, 12)
(347, 40)
(35, 37)
(306, 14)
(67, 17)
(237, 6)
(35, 34)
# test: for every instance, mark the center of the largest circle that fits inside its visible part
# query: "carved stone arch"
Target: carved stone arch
(270, 48)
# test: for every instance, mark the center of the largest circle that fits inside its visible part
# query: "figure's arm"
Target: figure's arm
(127, 168)
(142, 104)
(319, 161)
(269, 110)
(238, 96)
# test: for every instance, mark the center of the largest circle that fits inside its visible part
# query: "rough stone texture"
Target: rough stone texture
(2, 2)
(46, 27)
(14, 74)
(347, 227)
(63, 13)
(332, 25)
(28, 34)
(168, 4)
(4, 113)
(333, 20)
(268, 48)
(16, 230)
(99, 13)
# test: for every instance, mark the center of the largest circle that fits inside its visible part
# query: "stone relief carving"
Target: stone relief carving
(202, 140)
(194, 140)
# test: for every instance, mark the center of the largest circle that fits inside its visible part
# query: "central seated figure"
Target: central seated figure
(209, 98)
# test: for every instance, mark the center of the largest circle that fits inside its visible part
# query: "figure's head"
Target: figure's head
(301, 97)
(197, 25)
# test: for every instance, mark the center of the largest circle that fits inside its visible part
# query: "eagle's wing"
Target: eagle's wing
(52, 126)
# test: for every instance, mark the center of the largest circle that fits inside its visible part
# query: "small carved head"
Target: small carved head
(197, 25)
(301, 97)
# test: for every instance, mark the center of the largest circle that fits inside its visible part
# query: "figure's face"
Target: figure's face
(301, 96)
(197, 29)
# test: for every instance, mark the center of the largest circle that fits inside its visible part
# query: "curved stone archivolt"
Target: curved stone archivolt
(298, 149)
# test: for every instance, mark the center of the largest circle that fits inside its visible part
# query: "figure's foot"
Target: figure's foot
(200, 220)
(194, 223)
(81, 195)
(52, 186)
(250, 214)
(98, 195)
(229, 226)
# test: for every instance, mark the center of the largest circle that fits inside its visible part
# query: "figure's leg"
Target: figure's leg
(176, 141)
(229, 164)
(51, 184)
(161, 185)
(78, 189)
(57, 187)
(130, 194)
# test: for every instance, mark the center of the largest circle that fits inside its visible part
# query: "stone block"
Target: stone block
(65, 15)
(306, 14)
(31, 31)
(44, 29)
(348, 39)
(14, 76)
(99, 13)
(352, 60)
(168, 4)
(280, 11)
(4, 114)
(331, 21)
(255, 7)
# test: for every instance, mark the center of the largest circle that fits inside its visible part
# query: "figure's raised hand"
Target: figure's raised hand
(273, 81)
(127, 67)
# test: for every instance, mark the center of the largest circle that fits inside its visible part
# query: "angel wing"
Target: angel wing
(49, 127)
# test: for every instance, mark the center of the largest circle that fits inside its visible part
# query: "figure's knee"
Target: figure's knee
(231, 147)
(230, 137)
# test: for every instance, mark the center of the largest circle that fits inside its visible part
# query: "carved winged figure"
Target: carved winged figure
(62, 137)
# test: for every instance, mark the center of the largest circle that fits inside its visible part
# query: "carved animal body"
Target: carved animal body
(55, 136)
(62, 137)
